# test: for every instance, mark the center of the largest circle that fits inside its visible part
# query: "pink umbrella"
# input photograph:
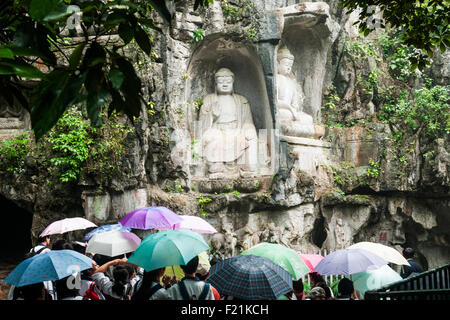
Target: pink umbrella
(194, 223)
(67, 225)
(311, 260)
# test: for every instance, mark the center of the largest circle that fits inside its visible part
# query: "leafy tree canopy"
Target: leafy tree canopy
(36, 37)
(424, 24)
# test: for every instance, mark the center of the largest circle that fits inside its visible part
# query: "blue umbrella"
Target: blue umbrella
(49, 266)
(349, 261)
(105, 228)
(250, 277)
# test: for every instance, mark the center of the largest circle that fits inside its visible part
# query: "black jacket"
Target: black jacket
(407, 270)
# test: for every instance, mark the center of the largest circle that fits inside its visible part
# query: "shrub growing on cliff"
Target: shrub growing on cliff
(427, 110)
(14, 151)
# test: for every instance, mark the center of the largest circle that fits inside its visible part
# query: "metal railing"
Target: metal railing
(429, 285)
(329, 279)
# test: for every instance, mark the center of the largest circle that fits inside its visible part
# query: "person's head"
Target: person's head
(224, 81)
(297, 286)
(121, 276)
(316, 293)
(44, 240)
(326, 288)
(62, 244)
(149, 277)
(33, 292)
(285, 61)
(79, 247)
(345, 287)
(191, 267)
(408, 253)
(315, 277)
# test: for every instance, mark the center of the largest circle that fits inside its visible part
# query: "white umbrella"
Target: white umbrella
(374, 279)
(194, 223)
(387, 253)
(66, 225)
(113, 243)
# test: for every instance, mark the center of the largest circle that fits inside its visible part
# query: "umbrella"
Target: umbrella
(203, 265)
(150, 218)
(374, 279)
(66, 225)
(282, 256)
(311, 260)
(168, 248)
(48, 266)
(113, 243)
(194, 223)
(348, 261)
(250, 277)
(387, 253)
(105, 228)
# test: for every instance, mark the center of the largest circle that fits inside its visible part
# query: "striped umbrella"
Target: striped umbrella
(250, 277)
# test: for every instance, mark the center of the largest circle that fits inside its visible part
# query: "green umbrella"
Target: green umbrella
(283, 256)
(373, 279)
(168, 248)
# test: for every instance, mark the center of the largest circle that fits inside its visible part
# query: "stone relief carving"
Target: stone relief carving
(229, 138)
(294, 122)
(8, 111)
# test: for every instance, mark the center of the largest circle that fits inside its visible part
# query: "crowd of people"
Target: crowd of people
(113, 278)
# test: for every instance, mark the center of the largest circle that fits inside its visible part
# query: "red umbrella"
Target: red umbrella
(311, 260)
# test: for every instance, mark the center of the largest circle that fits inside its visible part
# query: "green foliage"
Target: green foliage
(202, 202)
(198, 35)
(71, 142)
(426, 110)
(374, 169)
(82, 68)
(76, 146)
(424, 24)
(14, 151)
(236, 193)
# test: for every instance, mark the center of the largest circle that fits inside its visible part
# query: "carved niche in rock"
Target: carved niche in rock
(229, 118)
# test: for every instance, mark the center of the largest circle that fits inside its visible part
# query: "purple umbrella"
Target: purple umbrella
(349, 261)
(150, 218)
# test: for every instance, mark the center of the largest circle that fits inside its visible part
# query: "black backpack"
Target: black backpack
(34, 253)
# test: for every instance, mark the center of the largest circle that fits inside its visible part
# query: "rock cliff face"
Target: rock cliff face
(351, 185)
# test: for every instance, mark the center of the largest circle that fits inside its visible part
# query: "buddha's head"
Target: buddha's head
(224, 81)
(285, 61)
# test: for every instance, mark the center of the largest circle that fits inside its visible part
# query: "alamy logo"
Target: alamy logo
(375, 20)
(74, 19)
(73, 281)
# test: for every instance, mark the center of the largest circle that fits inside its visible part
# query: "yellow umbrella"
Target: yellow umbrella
(203, 265)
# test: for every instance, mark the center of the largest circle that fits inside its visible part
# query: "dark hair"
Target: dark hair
(345, 286)
(43, 239)
(143, 293)
(79, 248)
(298, 285)
(121, 277)
(316, 278)
(214, 260)
(191, 266)
(326, 288)
(63, 291)
(408, 253)
(31, 292)
(62, 244)
(101, 259)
